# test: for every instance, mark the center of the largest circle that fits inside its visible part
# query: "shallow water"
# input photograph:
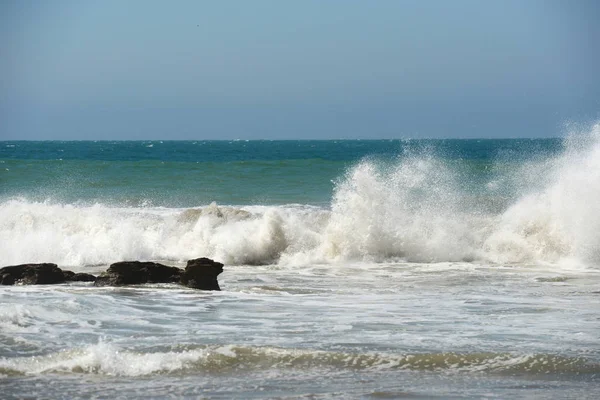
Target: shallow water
(359, 330)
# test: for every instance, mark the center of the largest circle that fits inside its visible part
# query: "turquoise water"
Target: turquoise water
(353, 269)
(187, 174)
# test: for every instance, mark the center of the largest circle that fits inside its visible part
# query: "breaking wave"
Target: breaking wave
(107, 359)
(417, 208)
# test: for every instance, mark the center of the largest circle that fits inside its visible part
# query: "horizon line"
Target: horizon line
(276, 140)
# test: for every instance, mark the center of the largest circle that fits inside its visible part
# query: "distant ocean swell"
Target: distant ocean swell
(107, 359)
(417, 208)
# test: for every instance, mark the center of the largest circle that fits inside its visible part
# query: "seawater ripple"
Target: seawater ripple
(107, 359)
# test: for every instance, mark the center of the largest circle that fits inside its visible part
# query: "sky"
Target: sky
(310, 69)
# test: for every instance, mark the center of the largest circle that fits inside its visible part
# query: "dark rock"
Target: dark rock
(68, 275)
(32, 274)
(136, 272)
(201, 273)
(83, 277)
(71, 276)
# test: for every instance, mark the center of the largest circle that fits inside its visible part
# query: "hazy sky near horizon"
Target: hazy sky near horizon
(82, 69)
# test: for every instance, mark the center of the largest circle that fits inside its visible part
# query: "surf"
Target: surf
(418, 206)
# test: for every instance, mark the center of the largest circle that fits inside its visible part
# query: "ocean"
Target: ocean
(355, 269)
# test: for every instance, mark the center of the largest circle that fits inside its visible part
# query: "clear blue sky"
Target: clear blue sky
(113, 69)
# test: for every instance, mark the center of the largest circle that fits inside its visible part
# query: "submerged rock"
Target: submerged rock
(201, 273)
(31, 274)
(137, 272)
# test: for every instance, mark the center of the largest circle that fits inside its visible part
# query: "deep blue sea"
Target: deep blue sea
(353, 268)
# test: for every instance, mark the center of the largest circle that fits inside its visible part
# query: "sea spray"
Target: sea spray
(412, 209)
(419, 206)
(420, 209)
(561, 220)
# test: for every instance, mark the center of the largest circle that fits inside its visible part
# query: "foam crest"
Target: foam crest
(410, 210)
(15, 318)
(76, 236)
(424, 209)
(102, 358)
(560, 221)
(108, 359)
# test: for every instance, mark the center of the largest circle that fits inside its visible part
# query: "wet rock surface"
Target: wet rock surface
(137, 272)
(31, 274)
(71, 276)
(200, 273)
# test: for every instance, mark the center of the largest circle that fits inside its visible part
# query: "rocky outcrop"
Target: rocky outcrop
(201, 273)
(71, 276)
(137, 272)
(31, 274)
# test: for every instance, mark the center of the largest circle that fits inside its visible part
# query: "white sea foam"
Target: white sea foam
(15, 318)
(560, 221)
(102, 358)
(74, 236)
(416, 209)
(411, 210)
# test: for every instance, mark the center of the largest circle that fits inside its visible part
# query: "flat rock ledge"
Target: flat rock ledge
(199, 273)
